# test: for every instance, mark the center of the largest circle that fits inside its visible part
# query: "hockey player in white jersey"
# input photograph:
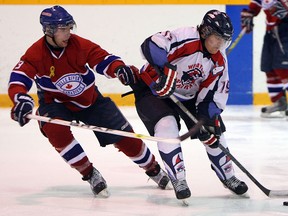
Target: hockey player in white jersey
(193, 67)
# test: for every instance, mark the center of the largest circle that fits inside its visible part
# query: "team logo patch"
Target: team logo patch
(228, 168)
(217, 69)
(71, 84)
(179, 166)
(189, 77)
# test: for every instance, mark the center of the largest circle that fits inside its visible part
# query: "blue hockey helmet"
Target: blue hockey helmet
(55, 17)
(216, 22)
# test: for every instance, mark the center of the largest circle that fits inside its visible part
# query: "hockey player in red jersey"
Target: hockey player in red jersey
(191, 64)
(62, 65)
(274, 57)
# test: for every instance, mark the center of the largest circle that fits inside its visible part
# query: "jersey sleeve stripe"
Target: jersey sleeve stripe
(17, 78)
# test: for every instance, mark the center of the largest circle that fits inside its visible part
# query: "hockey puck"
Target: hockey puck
(285, 203)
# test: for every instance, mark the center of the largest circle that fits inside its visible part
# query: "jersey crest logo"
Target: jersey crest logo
(189, 77)
(71, 84)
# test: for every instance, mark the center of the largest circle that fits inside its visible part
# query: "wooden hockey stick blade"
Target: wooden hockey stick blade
(267, 192)
(111, 131)
(278, 193)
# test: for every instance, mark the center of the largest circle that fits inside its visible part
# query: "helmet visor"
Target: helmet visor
(214, 43)
(71, 26)
(224, 42)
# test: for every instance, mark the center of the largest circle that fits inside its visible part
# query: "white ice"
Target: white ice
(34, 179)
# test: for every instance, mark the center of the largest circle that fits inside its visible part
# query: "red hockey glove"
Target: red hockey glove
(24, 104)
(167, 81)
(280, 9)
(247, 20)
(127, 74)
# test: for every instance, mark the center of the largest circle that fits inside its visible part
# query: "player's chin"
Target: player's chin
(64, 43)
(213, 51)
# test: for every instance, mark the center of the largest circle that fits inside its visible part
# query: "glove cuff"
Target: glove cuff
(23, 96)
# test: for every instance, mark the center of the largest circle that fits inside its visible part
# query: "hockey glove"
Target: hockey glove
(24, 104)
(167, 81)
(208, 138)
(247, 20)
(127, 74)
(280, 9)
(211, 136)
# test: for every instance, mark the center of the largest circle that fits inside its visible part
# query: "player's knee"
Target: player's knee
(167, 127)
(130, 146)
(59, 136)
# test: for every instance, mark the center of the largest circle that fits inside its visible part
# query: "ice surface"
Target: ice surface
(34, 179)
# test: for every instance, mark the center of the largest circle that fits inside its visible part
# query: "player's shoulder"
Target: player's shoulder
(80, 42)
(37, 45)
(186, 33)
(188, 29)
(34, 51)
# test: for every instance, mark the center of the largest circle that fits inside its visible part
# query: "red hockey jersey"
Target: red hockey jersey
(65, 77)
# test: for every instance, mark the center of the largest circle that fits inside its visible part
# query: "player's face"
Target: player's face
(62, 35)
(214, 43)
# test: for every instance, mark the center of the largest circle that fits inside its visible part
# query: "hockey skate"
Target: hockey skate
(97, 183)
(276, 110)
(235, 185)
(160, 177)
(182, 190)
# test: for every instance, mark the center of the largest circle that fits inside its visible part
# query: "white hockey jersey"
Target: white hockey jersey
(199, 74)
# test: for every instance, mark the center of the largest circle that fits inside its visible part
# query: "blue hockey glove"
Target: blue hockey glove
(127, 74)
(247, 20)
(167, 81)
(24, 104)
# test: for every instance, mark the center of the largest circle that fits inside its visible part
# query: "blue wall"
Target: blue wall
(240, 62)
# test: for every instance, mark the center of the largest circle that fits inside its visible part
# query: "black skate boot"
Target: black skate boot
(181, 189)
(160, 177)
(276, 110)
(235, 185)
(97, 183)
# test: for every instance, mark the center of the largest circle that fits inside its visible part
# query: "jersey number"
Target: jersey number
(225, 87)
(19, 64)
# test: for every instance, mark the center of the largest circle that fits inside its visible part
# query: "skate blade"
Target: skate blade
(245, 195)
(277, 114)
(241, 196)
(185, 202)
(103, 194)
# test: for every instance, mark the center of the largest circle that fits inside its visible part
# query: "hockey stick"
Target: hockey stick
(269, 193)
(236, 41)
(191, 132)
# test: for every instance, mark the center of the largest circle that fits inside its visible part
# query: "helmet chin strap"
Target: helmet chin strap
(54, 41)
